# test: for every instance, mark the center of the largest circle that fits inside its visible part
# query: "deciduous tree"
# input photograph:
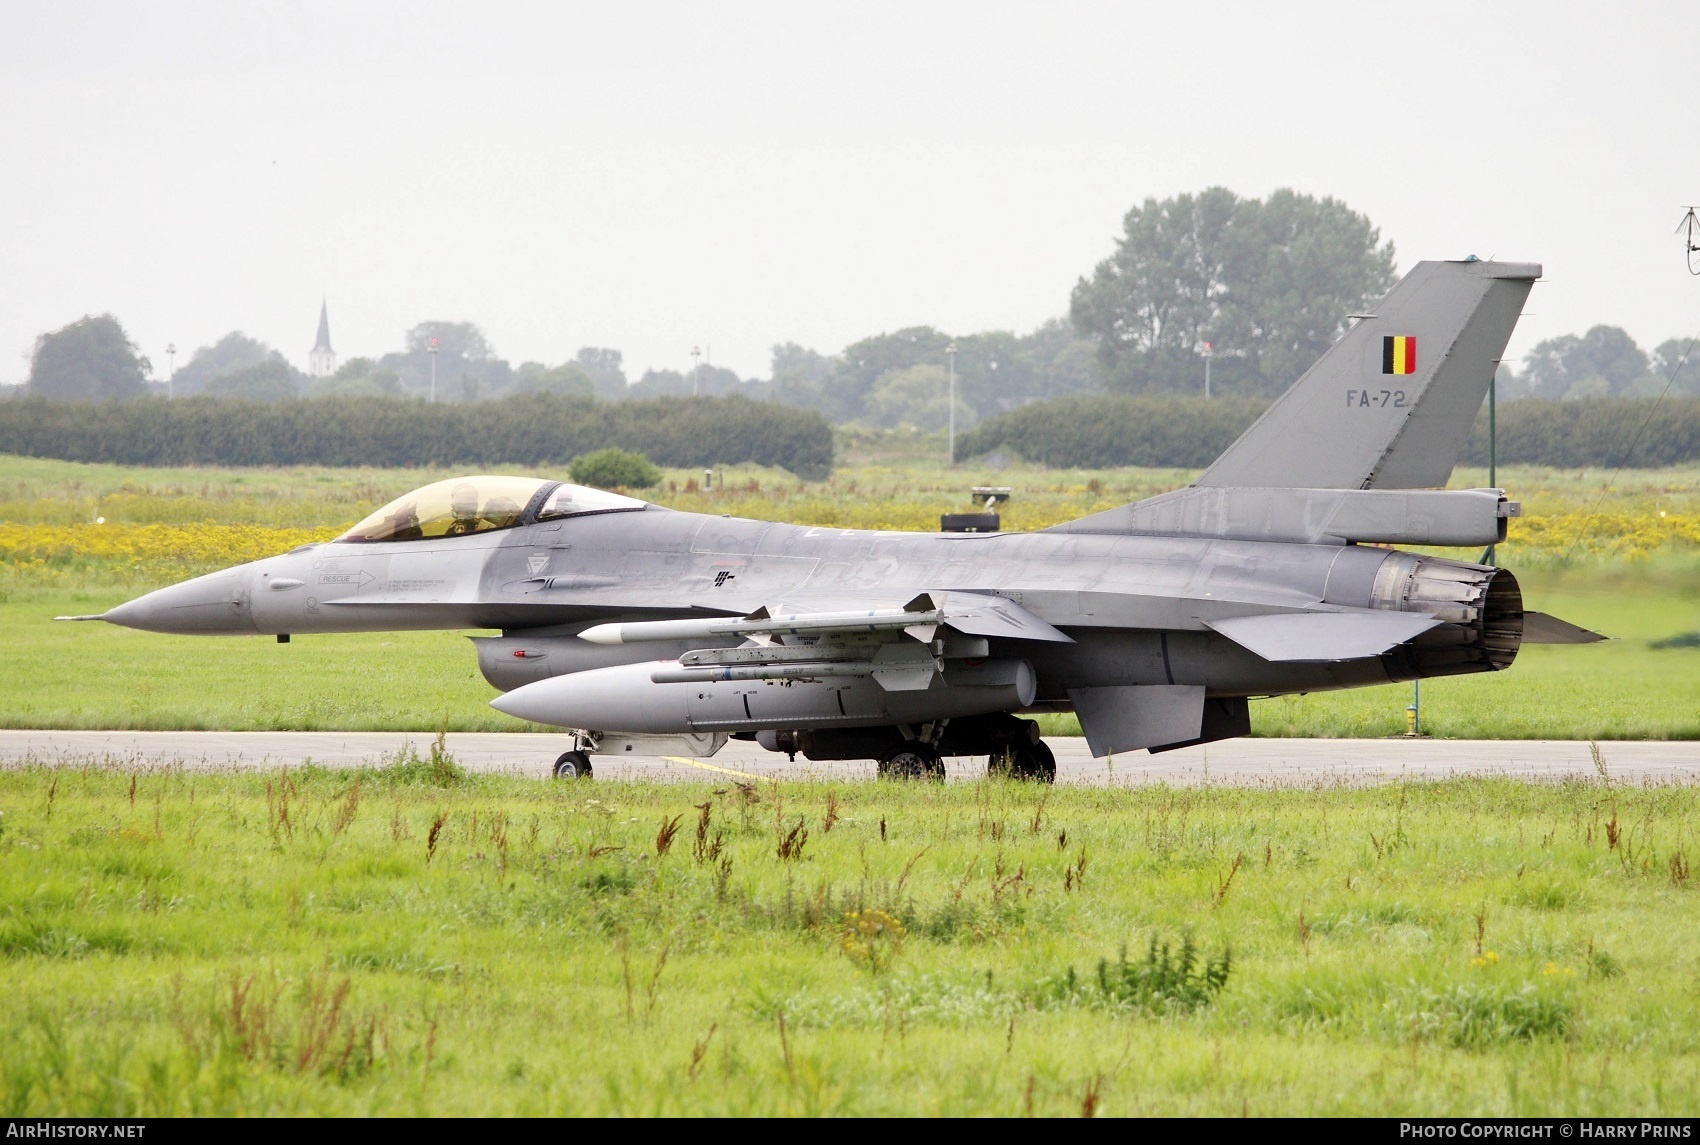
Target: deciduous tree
(1604, 362)
(1268, 283)
(230, 354)
(566, 379)
(1671, 365)
(92, 359)
(268, 381)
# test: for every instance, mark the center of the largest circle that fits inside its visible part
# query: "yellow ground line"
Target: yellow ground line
(709, 766)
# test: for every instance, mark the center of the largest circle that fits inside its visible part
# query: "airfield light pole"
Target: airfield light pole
(1206, 371)
(1487, 557)
(950, 352)
(696, 371)
(170, 368)
(433, 353)
(1493, 436)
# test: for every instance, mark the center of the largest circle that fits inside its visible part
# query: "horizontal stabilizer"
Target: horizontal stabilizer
(1316, 637)
(1539, 628)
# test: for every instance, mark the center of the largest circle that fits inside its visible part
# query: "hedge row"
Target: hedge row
(1117, 429)
(1190, 433)
(540, 429)
(532, 429)
(1634, 433)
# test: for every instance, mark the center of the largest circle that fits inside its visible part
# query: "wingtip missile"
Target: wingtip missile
(603, 634)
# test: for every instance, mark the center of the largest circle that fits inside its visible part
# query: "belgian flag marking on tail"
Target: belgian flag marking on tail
(1399, 354)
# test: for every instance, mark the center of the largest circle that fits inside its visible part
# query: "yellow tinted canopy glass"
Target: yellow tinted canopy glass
(452, 508)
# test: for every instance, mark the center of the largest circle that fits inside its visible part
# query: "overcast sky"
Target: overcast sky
(653, 177)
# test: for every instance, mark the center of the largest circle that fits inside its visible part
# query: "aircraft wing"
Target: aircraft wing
(1320, 637)
(977, 614)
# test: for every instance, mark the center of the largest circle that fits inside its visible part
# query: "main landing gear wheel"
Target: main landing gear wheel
(573, 765)
(1031, 761)
(912, 761)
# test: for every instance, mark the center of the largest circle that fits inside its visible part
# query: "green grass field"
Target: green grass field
(164, 524)
(409, 940)
(880, 477)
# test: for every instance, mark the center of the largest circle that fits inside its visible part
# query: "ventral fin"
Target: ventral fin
(1540, 628)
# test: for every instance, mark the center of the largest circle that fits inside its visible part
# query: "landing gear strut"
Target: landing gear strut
(573, 765)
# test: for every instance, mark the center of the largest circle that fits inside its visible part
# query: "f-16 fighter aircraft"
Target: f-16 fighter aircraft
(649, 631)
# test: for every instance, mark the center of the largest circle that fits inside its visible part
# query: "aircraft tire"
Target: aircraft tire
(1024, 761)
(573, 765)
(1045, 770)
(915, 761)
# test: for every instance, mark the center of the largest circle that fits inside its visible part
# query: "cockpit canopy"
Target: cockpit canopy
(464, 505)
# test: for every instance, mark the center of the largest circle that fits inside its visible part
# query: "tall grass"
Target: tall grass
(404, 940)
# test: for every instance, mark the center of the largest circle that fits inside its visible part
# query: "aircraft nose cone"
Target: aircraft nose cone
(131, 614)
(217, 602)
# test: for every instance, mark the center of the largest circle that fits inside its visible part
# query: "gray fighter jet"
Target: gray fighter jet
(653, 632)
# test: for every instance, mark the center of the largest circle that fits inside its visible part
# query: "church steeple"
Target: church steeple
(322, 361)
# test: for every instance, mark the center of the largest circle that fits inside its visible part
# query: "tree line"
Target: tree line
(526, 429)
(1605, 362)
(1258, 287)
(1167, 431)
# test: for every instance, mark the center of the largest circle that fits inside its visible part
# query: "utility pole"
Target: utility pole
(950, 352)
(1493, 451)
(170, 368)
(1206, 371)
(433, 353)
(696, 371)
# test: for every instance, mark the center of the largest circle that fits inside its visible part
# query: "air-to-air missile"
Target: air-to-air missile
(649, 631)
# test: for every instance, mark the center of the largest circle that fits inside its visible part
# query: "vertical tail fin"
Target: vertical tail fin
(1391, 404)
